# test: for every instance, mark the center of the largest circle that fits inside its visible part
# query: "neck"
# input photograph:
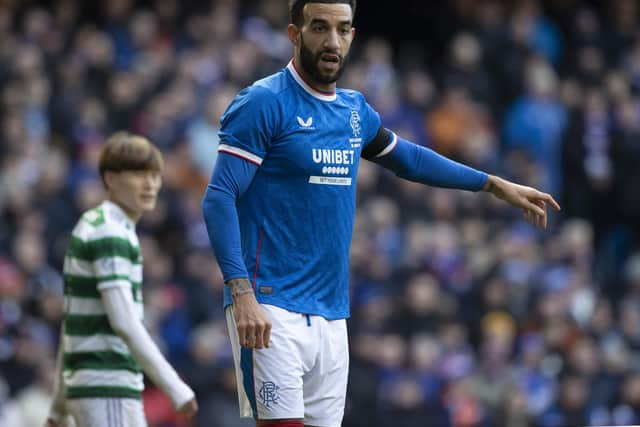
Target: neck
(326, 88)
(133, 215)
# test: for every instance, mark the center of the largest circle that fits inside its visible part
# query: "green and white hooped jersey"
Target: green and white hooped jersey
(103, 252)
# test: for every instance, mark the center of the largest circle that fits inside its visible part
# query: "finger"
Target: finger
(542, 220)
(549, 199)
(267, 334)
(535, 219)
(242, 334)
(251, 336)
(532, 207)
(529, 216)
(259, 334)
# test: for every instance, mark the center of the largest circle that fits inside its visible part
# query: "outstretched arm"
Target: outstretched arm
(420, 164)
(416, 163)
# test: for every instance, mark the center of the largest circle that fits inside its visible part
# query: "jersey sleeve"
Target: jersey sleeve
(230, 179)
(123, 318)
(421, 164)
(249, 124)
(371, 124)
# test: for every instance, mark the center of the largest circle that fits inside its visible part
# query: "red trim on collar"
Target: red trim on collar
(322, 92)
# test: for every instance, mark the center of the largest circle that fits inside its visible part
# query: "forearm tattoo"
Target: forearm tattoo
(239, 287)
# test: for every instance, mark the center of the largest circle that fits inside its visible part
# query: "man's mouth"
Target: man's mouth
(329, 61)
(330, 57)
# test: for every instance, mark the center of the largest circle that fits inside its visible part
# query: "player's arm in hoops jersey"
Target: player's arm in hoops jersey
(121, 312)
(231, 178)
(416, 163)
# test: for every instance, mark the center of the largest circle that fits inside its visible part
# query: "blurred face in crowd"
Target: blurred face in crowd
(322, 43)
(135, 191)
(574, 392)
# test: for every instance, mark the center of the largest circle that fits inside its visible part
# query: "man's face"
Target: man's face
(135, 191)
(325, 39)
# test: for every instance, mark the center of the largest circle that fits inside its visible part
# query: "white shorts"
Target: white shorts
(302, 375)
(106, 412)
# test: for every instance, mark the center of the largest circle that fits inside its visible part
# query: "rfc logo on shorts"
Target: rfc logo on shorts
(269, 393)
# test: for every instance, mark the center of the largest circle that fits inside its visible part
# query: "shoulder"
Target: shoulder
(275, 84)
(92, 233)
(93, 217)
(96, 224)
(265, 91)
(350, 94)
(252, 102)
(354, 100)
(262, 102)
(357, 103)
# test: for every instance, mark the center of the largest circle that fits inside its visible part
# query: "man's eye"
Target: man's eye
(319, 28)
(345, 31)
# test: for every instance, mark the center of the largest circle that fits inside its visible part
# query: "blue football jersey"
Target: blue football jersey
(296, 218)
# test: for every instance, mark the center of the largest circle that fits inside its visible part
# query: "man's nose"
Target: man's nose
(332, 41)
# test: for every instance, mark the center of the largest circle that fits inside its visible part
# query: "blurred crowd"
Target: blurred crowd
(463, 315)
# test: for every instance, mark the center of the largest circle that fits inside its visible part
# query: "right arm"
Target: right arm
(125, 321)
(230, 179)
(248, 127)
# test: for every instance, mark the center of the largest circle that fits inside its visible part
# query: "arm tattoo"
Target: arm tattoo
(239, 287)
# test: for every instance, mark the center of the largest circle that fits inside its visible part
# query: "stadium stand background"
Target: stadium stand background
(463, 315)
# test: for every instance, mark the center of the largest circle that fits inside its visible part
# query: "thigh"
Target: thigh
(325, 386)
(270, 379)
(107, 412)
(133, 411)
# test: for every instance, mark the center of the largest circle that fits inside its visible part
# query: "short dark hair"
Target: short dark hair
(125, 151)
(296, 7)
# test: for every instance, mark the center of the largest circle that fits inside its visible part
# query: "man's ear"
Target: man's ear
(294, 34)
(108, 178)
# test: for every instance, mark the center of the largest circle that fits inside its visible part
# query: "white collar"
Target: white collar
(311, 91)
(118, 214)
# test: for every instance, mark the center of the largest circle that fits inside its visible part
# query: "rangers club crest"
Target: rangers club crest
(354, 121)
(269, 393)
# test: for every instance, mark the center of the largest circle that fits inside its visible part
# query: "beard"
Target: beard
(309, 62)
